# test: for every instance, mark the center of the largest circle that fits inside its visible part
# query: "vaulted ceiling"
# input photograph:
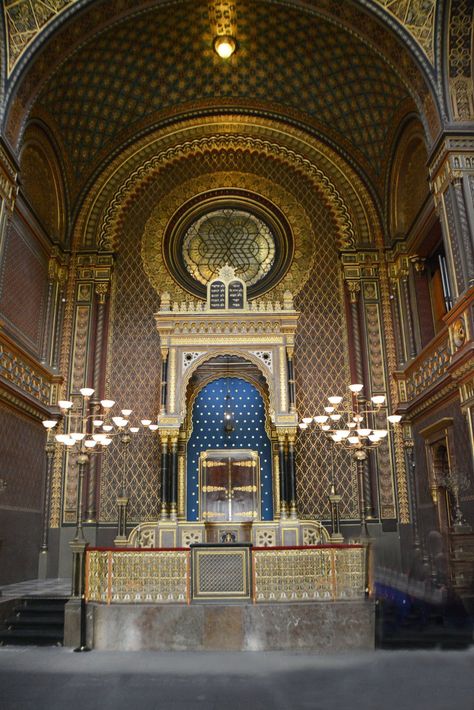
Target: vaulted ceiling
(118, 70)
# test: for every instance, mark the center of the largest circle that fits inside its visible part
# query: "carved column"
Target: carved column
(50, 451)
(45, 346)
(164, 379)
(164, 477)
(452, 183)
(397, 324)
(282, 469)
(291, 379)
(354, 292)
(410, 455)
(291, 476)
(58, 318)
(8, 189)
(174, 478)
(101, 290)
(182, 476)
(409, 329)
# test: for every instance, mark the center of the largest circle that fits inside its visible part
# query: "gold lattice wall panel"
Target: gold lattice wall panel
(302, 575)
(133, 372)
(138, 576)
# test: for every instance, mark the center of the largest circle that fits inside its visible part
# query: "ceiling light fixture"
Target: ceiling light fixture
(224, 46)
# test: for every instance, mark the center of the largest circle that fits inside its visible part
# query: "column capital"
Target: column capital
(101, 290)
(453, 159)
(419, 263)
(353, 288)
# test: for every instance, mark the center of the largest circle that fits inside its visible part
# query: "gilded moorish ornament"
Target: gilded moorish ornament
(236, 184)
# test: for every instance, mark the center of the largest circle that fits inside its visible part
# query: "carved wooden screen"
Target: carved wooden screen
(229, 486)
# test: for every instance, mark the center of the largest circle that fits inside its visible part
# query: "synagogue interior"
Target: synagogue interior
(237, 318)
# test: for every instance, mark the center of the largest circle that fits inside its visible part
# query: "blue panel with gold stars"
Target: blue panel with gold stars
(248, 410)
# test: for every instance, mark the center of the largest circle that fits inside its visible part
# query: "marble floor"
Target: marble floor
(58, 679)
(38, 588)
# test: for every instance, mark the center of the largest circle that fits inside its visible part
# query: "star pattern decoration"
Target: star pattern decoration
(249, 433)
(140, 67)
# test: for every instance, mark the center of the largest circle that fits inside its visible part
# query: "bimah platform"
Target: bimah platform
(229, 597)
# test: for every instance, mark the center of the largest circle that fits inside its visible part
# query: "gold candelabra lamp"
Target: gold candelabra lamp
(353, 422)
(89, 429)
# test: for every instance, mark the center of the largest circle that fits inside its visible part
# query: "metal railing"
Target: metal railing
(137, 576)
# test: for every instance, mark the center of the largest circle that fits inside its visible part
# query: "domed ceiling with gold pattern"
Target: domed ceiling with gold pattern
(117, 74)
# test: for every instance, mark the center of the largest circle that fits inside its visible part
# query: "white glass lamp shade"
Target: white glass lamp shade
(364, 432)
(302, 425)
(329, 409)
(224, 46)
(77, 436)
(90, 443)
(134, 429)
(353, 440)
(107, 427)
(153, 427)
(107, 403)
(307, 420)
(325, 427)
(358, 418)
(98, 422)
(335, 417)
(335, 400)
(321, 419)
(99, 437)
(374, 438)
(49, 423)
(146, 422)
(343, 433)
(335, 437)
(380, 433)
(355, 388)
(392, 418)
(86, 391)
(378, 399)
(69, 441)
(62, 438)
(117, 421)
(64, 404)
(106, 441)
(126, 412)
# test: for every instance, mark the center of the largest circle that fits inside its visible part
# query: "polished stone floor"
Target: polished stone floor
(38, 588)
(58, 679)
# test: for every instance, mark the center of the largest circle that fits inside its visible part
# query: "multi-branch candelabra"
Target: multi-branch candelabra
(88, 429)
(352, 422)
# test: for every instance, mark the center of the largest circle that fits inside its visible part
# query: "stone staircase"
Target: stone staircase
(36, 621)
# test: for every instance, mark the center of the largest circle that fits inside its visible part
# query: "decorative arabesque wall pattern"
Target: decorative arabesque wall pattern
(133, 376)
(134, 356)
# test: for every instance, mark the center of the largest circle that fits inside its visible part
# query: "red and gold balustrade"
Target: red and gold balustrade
(318, 573)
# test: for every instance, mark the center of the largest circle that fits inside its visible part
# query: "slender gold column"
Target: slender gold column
(354, 292)
(182, 475)
(282, 468)
(292, 476)
(101, 290)
(164, 477)
(173, 507)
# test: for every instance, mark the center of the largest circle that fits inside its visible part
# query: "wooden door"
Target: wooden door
(229, 486)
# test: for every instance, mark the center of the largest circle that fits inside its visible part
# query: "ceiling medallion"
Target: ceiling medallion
(228, 226)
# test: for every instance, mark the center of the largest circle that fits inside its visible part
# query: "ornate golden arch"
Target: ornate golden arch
(344, 191)
(245, 355)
